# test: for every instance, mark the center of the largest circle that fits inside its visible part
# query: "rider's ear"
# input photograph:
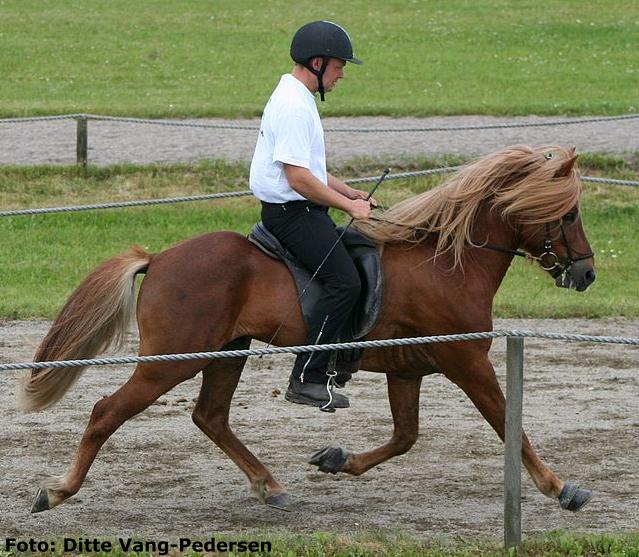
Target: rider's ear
(316, 63)
(566, 167)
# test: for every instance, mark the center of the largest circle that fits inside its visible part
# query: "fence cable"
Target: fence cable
(210, 196)
(384, 343)
(184, 124)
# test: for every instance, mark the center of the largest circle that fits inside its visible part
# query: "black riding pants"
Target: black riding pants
(306, 230)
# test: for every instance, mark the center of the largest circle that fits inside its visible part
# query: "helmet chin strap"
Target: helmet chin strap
(320, 75)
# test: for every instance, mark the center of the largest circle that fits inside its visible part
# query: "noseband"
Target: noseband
(548, 260)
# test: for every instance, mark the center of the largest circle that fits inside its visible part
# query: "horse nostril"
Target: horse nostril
(590, 276)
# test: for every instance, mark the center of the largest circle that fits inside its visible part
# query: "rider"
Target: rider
(289, 176)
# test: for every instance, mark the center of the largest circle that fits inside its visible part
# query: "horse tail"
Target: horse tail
(95, 318)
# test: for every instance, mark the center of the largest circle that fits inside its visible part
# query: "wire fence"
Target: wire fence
(243, 193)
(383, 343)
(186, 124)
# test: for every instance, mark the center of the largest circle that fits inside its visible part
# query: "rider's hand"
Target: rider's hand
(360, 209)
(363, 195)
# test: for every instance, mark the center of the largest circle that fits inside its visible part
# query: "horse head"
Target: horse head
(560, 245)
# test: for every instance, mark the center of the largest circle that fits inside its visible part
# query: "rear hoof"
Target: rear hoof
(280, 501)
(573, 498)
(41, 502)
(329, 460)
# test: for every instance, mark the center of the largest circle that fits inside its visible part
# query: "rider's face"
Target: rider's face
(333, 73)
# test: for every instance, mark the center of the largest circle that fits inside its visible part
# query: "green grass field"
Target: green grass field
(199, 58)
(46, 256)
(362, 544)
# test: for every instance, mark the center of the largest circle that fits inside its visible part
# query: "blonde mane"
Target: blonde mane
(526, 185)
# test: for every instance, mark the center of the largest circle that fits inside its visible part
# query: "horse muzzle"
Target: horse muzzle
(577, 276)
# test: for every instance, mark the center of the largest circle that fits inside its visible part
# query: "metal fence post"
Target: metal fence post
(82, 140)
(512, 460)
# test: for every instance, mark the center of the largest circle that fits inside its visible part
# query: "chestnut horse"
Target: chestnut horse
(445, 253)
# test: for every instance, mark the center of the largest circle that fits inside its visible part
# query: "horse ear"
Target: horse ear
(566, 167)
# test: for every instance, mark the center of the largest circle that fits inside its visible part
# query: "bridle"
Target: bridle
(548, 260)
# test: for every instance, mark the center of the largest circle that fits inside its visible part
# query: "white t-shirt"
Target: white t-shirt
(291, 132)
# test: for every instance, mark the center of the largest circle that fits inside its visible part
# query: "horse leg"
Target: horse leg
(403, 395)
(148, 382)
(211, 415)
(480, 384)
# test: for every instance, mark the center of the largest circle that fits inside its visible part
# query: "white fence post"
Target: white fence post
(512, 464)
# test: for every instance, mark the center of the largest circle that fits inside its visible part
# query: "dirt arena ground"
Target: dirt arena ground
(159, 476)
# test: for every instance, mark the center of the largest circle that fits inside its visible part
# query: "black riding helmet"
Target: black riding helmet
(325, 39)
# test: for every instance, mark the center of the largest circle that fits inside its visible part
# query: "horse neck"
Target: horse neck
(489, 227)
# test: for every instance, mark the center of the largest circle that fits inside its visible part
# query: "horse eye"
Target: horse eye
(569, 218)
(549, 156)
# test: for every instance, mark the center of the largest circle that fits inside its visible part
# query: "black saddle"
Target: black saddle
(367, 260)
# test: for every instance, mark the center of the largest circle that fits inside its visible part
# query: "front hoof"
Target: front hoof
(573, 498)
(281, 501)
(329, 459)
(41, 502)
